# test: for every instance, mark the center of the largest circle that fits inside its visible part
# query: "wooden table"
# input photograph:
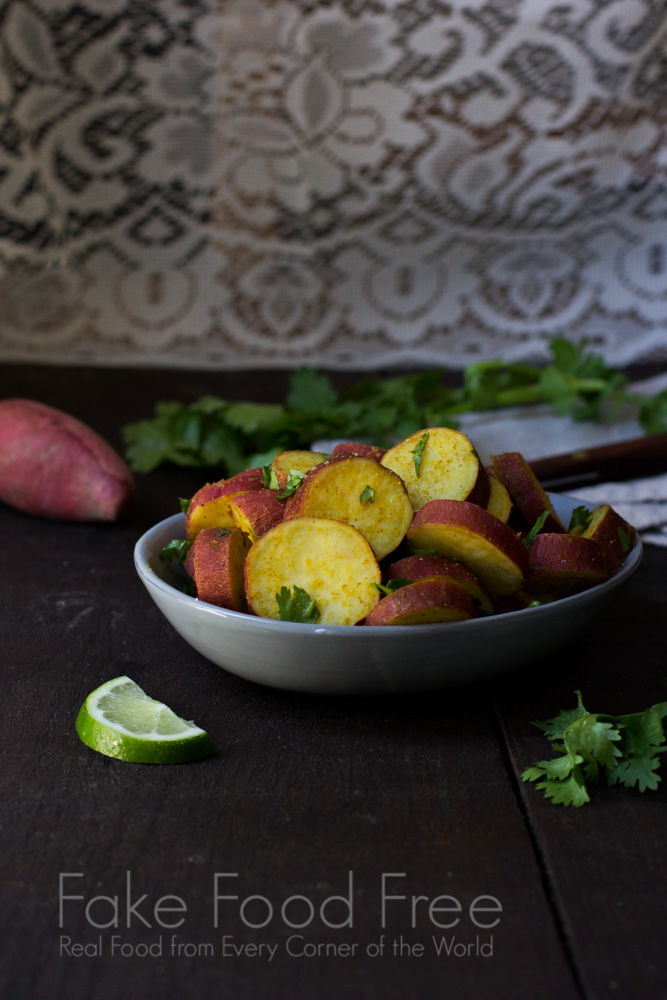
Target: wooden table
(421, 792)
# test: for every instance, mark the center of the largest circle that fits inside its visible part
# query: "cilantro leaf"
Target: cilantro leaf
(296, 605)
(367, 495)
(185, 504)
(652, 412)
(625, 536)
(270, 478)
(625, 747)
(396, 583)
(176, 550)
(529, 539)
(580, 518)
(554, 729)
(294, 480)
(253, 417)
(418, 452)
(571, 792)
(424, 552)
(594, 739)
(310, 392)
(637, 771)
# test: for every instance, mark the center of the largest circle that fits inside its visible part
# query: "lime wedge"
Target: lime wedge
(120, 720)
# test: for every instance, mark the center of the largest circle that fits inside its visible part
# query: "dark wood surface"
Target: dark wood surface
(303, 790)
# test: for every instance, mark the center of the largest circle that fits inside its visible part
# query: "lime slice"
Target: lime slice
(120, 720)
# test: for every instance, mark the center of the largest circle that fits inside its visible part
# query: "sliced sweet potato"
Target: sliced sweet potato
(53, 465)
(423, 603)
(439, 463)
(257, 511)
(358, 448)
(428, 567)
(360, 492)
(216, 559)
(297, 459)
(500, 502)
(465, 532)
(613, 533)
(525, 490)
(209, 507)
(561, 564)
(331, 561)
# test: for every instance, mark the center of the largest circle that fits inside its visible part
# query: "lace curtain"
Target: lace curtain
(349, 183)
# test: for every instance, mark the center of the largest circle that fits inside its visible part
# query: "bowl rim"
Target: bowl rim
(143, 550)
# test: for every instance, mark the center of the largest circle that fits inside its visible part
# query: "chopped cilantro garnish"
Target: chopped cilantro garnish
(294, 479)
(367, 495)
(224, 531)
(536, 528)
(625, 536)
(176, 549)
(296, 605)
(391, 585)
(624, 747)
(418, 452)
(190, 589)
(424, 552)
(581, 518)
(270, 478)
(185, 504)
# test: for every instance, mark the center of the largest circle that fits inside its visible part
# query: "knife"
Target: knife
(618, 462)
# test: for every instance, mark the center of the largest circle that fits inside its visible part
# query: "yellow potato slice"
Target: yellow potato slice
(469, 534)
(212, 514)
(330, 560)
(299, 460)
(500, 502)
(360, 492)
(439, 463)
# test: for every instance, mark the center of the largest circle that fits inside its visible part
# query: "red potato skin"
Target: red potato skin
(214, 563)
(469, 515)
(242, 482)
(357, 448)
(607, 532)
(525, 490)
(424, 599)
(261, 510)
(53, 465)
(438, 567)
(562, 564)
(416, 567)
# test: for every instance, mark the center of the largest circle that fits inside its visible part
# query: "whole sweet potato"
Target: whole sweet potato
(53, 465)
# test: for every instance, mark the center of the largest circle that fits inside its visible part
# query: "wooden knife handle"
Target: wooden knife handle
(623, 460)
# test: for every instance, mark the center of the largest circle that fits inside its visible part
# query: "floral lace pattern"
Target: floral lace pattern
(346, 183)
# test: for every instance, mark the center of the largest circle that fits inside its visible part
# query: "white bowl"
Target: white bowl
(344, 659)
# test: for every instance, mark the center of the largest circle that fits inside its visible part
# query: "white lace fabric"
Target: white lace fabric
(350, 183)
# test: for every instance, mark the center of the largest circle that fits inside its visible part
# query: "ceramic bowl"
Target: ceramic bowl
(345, 660)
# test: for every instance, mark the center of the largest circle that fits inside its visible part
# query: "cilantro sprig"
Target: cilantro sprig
(581, 517)
(237, 435)
(624, 748)
(418, 452)
(294, 480)
(176, 550)
(530, 537)
(296, 605)
(396, 583)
